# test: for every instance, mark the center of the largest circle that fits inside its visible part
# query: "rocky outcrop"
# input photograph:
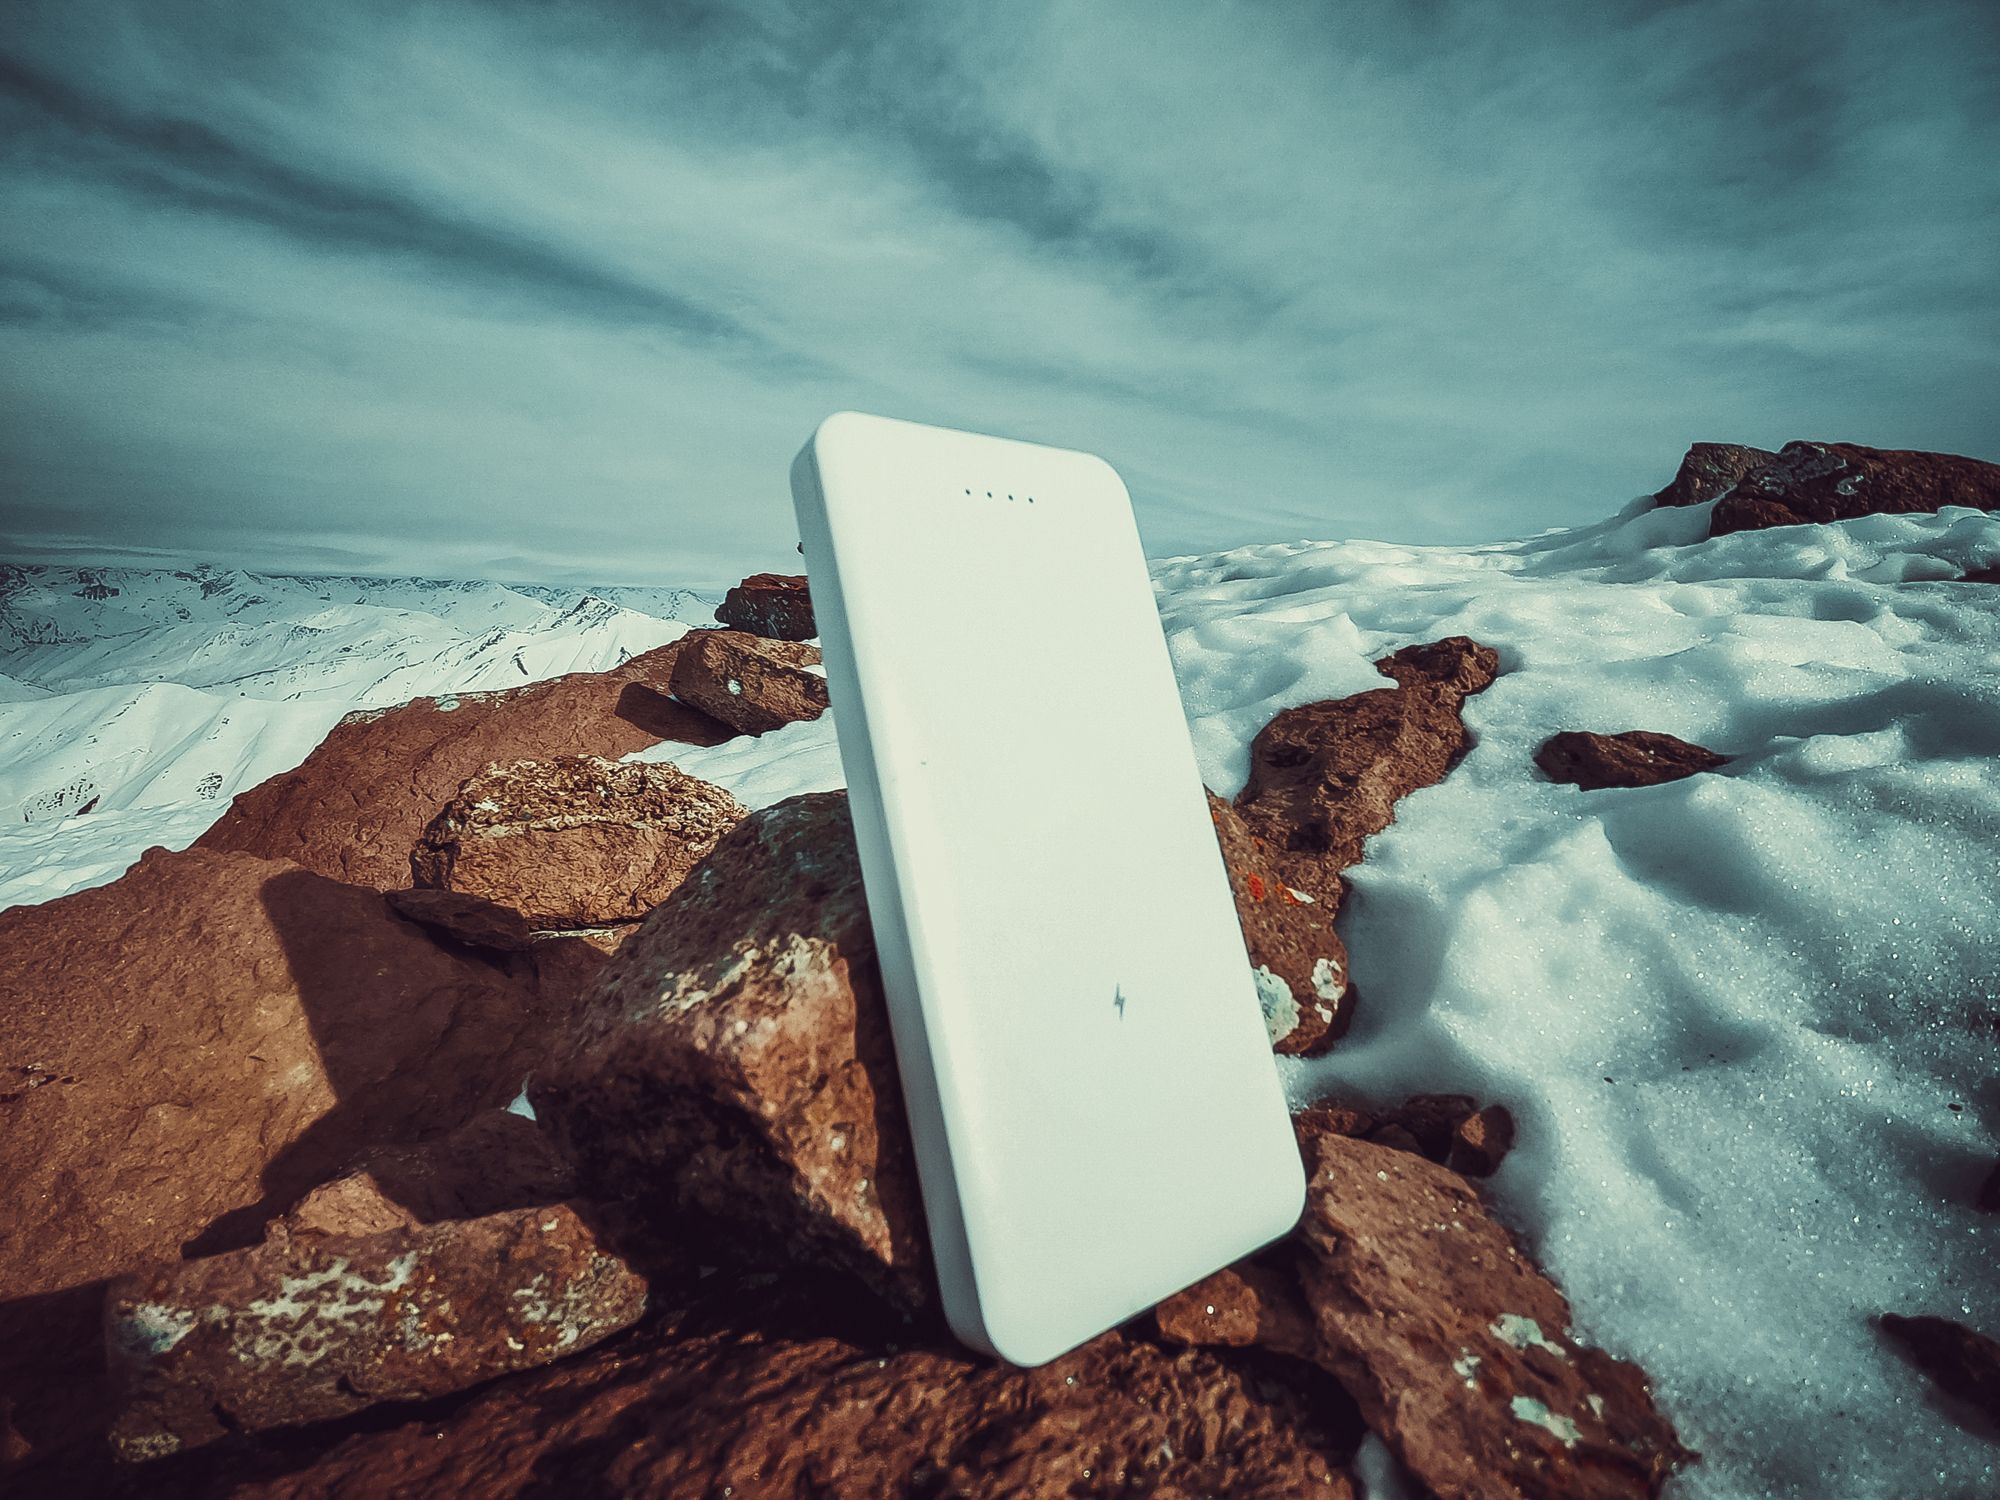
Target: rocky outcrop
(777, 605)
(314, 1326)
(576, 841)
(1300, 963)
(1709, 470)
(733, 1075)
(197, 1045)
(1637, 757)
(355, 807)
(1326, 776)
(741, 1386)
(751, 684)
(1963, 1364)
(1456, 1349)
(1812, 483)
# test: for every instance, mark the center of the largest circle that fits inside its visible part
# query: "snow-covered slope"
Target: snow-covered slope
(1749, 1022)
(152, 698)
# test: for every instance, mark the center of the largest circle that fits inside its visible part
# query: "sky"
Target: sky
(553, 292)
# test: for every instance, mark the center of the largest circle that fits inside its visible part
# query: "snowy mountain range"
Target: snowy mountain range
(152, 697)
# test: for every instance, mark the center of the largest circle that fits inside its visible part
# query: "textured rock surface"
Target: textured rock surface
(315, 1326)
(1637, 757)
(471, 920)
(733, 1074)
(355, 806)
(1325, 776)
(1811, 483)
(1255, 1303)
(1455, 1347)
(1708, 470)
(778, 605)
(1964, 1364)
(756, 1391)
(198, 1044)
(576, 841)
(748, 682)
(1301, 962)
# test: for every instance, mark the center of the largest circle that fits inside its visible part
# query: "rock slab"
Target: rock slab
(575, 841)
(1709, 470)
(1637, 757)
(777, 605)
(1813, 483)
(752, 684)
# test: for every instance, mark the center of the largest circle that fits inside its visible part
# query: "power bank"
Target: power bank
(1097, 1115)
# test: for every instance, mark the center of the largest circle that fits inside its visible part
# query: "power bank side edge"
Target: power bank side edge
(950, 1248)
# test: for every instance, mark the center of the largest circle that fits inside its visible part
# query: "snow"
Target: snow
(152, 698)
(1732, 1014)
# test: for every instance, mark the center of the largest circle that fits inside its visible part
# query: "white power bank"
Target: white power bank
(1097, 1114)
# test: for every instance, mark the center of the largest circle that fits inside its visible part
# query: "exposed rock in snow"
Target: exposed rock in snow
(573, 841)
(1708, 470)
(1633, 758)
(752, 684)
(1810, 483)
(1964, 1364)
(1289, 936)
(1326, 776)
(778, 605)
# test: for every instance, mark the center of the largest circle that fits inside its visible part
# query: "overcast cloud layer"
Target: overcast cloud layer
(555, 291)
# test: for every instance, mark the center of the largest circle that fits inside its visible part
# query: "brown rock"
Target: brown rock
(316, 1326)
(776, 605)
(1325, 776)
(202, 1041)
(1982, 575)
(358, 803)
(1638, 757)
(1302, 964)
(464, 918)
(1396, 1138)
(1813, 483)
(1431, 1120)
(1481, 1142)
(745, 1393)
(752, 684)
(1455, 1347)
(1254, 1303)
(1338, 1119)
(734, 1076)
(1709, 469)
(1965, 1365)
(576, 841)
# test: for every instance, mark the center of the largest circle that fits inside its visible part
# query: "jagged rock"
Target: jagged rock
(1455, 1347)
(355, 807)
(1812, 483)
(572, 842)
(1326, 776)
(1481, 1141)
(200, 1043)
(762, 1390)
(1255, 1303)
(464, 918)
(734, 1076)
(777, 605)
(1710, 469)
(752, 684)
(314, 1326)
(1964, 1364)
(1300, 961)
(1637, 757)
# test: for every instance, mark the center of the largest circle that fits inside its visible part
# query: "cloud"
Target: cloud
(435, 287)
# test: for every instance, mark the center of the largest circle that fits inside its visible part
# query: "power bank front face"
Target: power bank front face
(1097, 1115)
